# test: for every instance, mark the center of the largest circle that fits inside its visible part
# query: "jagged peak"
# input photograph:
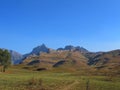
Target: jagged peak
(42, 48)
(73, 48)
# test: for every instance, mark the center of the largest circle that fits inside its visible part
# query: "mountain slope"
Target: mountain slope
(72, 59)
(106, 61)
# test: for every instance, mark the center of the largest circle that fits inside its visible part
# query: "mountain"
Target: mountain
(15, 57)
(69, 57)
(71, 60)
(44, 49)
(37, 51)
(72, 48)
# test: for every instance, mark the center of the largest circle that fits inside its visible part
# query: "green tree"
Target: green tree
(5, 59)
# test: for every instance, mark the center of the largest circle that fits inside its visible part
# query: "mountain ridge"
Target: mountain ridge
(72, 57)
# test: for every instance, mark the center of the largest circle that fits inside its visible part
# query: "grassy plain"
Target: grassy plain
(21, 79)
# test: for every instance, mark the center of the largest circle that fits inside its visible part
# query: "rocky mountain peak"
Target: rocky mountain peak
(73, 48)
(42, 48)
(69, 47)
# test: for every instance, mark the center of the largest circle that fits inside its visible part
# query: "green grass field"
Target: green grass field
(20, 79)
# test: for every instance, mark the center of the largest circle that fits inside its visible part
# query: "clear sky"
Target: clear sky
(93, 24)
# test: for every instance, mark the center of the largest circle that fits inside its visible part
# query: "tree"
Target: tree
(5, 59)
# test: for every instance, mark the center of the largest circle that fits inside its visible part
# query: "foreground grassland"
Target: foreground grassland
(19, 79)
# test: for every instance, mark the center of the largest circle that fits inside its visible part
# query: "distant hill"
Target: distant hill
(16, 57)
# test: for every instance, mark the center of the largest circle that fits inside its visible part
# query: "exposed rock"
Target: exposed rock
(39, 49)
(72, 48)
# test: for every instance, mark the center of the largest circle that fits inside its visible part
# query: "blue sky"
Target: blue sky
(93, 24)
